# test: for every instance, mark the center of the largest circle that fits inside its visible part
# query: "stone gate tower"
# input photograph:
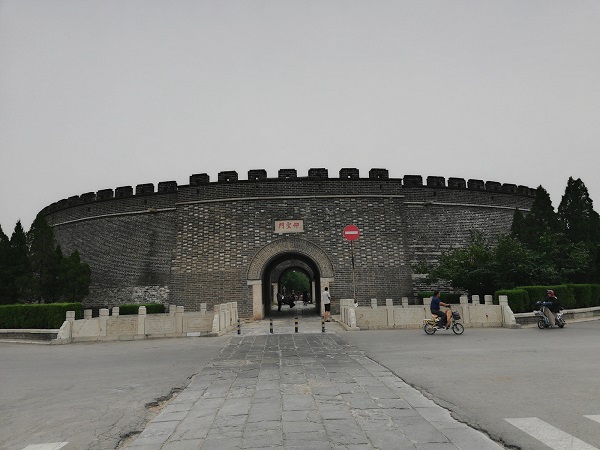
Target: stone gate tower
(232, 240)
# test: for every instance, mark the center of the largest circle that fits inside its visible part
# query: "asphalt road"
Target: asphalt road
(91, 395)
(486, 376)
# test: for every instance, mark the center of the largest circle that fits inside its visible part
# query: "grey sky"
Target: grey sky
(98, 94)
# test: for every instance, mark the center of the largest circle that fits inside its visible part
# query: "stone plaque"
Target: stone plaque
(289, 226)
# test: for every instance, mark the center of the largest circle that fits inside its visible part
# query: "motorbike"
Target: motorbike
(543, 321)
(430, 326)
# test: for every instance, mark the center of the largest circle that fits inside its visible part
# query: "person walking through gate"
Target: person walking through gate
(326, 303)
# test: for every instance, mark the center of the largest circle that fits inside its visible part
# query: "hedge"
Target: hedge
(571, 296)
(446, 297)
(50, 316)
(518, 299)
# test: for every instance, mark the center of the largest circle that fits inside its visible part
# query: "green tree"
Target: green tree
(540, 220)
(74, 278)
(45, 262)
(576, 212)
(5, 278)
(19, 269)
(295, 281)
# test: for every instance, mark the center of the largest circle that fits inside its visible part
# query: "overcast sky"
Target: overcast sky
(99, 94)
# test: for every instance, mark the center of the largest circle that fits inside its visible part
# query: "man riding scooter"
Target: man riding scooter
(435, 309)
(550, 306)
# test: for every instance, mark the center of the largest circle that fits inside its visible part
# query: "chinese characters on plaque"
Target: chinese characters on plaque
(289, 226)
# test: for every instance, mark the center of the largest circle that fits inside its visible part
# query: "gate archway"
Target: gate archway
(282, 255)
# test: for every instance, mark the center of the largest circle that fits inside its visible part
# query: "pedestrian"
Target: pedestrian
(327, 304)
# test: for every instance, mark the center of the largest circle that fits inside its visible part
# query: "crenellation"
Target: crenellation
(410, 181)
(349, 174)
(228, 176)
(144, 189)
(493, 186)
(123, 192)
(88, 197)
(436, 182)
(257, 175)
(199, 179)
(167, 186)
(287, 174)
(457, 183)
(476, 185)
(318, 174)
(379, 174)
(105, 194)
(509, 188)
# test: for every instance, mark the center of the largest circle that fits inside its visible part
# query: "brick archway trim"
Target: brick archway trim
(289, 245)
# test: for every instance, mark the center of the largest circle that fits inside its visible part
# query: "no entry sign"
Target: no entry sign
(351, 232)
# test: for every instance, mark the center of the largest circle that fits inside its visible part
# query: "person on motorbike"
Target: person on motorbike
(550, 306)
(435, 309)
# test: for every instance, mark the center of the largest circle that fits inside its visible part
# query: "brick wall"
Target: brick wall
(194, 244)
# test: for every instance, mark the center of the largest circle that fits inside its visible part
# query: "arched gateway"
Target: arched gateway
(233, 240)
(284, 254)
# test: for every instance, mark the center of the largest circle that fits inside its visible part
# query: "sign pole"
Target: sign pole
(351, 233)
(353, 279)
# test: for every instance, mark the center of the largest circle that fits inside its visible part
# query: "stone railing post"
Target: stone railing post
(464, 303)
(475, 300)
(508, 317)
(228, 315)
(115, 311)
(87, 314)
(172, 309)
(488, 299)
(179, 319)
(389, 306)
(374, 303)
(202, 309)
(141, 326)
(103, 321)
(234, 311)
(404, 301)
(222, 322)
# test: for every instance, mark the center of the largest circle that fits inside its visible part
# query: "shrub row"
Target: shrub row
(49, 316)
(571, 296)
(151, 308)
(446, 297)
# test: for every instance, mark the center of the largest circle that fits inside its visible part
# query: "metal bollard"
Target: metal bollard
(296, 325)
(323, 326)
(271, 326)
(239, 327)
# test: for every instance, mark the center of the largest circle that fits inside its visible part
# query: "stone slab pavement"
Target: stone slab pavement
(305, 390)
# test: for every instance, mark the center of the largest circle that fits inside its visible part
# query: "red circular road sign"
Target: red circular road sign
(351, 232)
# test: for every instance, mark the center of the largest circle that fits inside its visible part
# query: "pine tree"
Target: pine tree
(576, 212)
(74, 278)
(44, 261)
(19, 268)
(5, 279)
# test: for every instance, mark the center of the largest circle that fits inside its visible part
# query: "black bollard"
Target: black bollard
(322, 326)
(239, 327)
(296, 325)
(271, 327)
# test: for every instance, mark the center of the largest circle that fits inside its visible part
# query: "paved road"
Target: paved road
(487, 376)
(91, 395)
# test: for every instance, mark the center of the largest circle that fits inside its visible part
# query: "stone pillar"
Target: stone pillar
(389, 306)
(427, 302)
(202, 309)
(228, 315)
(172, 309)
(488, 300)
(475, 300)
(103, 321)
(404, 301)
(179, 319)
(234, 311)
(464, 303)
(374, 303)
(221, 311)
(141, 329)
(87, 314)
(70, 316)
(115, 311)
(508, 317)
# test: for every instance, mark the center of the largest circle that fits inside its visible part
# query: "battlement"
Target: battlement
(291, 175)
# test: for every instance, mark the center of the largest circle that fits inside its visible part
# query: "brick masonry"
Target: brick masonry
(211, 242)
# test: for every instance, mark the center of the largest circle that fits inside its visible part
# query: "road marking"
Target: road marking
(53, 446)
(596, 418)
(549, 435)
